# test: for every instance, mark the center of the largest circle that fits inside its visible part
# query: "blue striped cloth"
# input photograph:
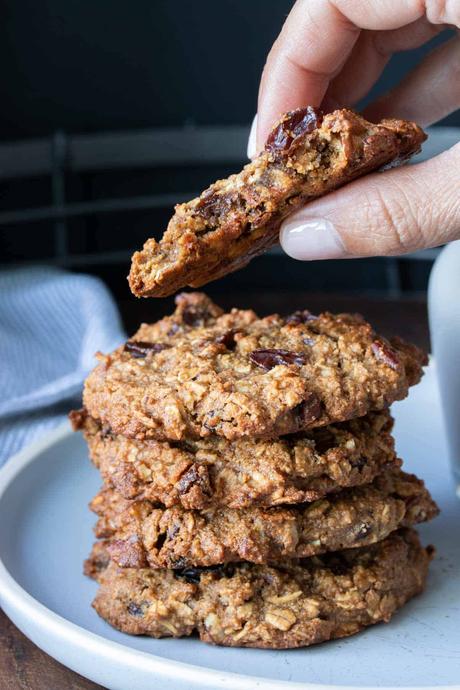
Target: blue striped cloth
(51, 324)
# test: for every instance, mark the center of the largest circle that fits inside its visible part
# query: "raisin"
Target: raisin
(136, 609)
(296, 124)
(269, 358)
(188, 479)
(363, 531)
(195, 481)
(140, 348)
(194, 316)
(308, 411)
(212, 204)
(193, 574)
(174, 328)
(385, 353)
(227, 339)
(301, 317)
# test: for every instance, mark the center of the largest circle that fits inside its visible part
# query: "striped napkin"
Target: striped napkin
(51, 324)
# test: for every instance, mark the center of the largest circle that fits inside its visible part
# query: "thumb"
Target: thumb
(389, 213)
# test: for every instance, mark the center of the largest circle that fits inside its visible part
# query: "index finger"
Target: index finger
(313, 46)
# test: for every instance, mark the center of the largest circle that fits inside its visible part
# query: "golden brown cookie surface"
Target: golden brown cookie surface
(201, 372)
(248, 605)
(214, 472)
(140, 534)
(306, 156)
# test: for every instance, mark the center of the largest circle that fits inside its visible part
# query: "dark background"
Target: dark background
(105, 66)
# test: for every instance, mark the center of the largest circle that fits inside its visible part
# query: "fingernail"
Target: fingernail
(311, 240)
(252, 143)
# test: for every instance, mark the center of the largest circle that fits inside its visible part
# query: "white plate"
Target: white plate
(45, 533)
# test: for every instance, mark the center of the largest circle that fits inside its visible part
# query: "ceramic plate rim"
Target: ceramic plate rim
(18, 599)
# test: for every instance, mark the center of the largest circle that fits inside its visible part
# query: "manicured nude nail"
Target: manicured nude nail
(312, 239)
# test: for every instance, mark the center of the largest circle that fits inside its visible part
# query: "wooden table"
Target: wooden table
(22, 665)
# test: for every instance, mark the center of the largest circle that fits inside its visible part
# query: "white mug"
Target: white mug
(444, 314)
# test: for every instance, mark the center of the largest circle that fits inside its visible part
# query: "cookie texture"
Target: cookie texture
(142, 535)
(306, 156)
(201, 372)
(214, 472)
(293, 605)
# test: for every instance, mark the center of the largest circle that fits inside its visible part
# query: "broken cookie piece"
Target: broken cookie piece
(306, 156)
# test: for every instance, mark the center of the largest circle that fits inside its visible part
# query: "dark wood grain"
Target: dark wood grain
(22, 665)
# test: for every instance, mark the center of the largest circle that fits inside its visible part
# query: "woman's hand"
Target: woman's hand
(330, 53)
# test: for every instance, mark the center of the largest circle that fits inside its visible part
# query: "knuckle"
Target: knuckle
(391, 221)
(406, 209)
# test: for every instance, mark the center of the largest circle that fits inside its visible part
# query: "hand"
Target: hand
(330, 53)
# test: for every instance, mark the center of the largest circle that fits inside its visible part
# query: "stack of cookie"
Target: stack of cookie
(252, 492)
(251, 488)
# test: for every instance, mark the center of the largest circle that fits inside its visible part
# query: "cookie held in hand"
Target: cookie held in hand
(306, 156)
